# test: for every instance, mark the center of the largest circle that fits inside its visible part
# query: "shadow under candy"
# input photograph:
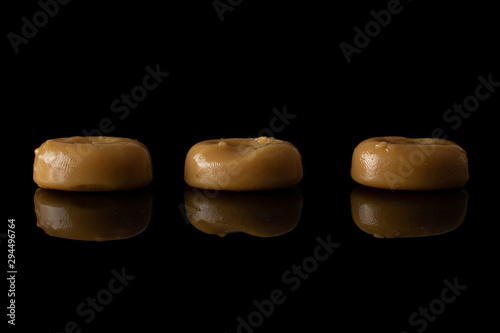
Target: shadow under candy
(259, 213)
(394, 214)
(92, 216)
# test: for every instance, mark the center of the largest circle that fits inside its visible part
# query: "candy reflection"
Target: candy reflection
(92, 216)
(262, 214)
(387, 214)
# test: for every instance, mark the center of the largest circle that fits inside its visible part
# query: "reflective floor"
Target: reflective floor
(248, 261)
(326, 255)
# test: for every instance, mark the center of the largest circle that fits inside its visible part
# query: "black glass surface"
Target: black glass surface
(173, 74)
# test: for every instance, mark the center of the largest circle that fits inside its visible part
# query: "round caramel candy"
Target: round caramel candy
(399, 163)
(92, 163)
(243, 164)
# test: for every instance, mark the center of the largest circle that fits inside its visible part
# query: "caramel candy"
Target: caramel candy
(92, 163)
(89, 216)
(243, 164)
(399, 163)
(387, 214)
(261, 214)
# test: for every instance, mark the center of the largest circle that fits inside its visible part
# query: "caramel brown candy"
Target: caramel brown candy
(399, 163)
(395, 214)
(243, 164)
(92, 163)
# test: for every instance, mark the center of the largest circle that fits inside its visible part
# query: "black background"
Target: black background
(225, 79)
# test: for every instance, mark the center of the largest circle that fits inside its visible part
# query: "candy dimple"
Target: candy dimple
(241, 164)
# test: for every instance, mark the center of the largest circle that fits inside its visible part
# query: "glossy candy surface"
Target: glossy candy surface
(93, 163)
(249, 164)
(399, 163)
